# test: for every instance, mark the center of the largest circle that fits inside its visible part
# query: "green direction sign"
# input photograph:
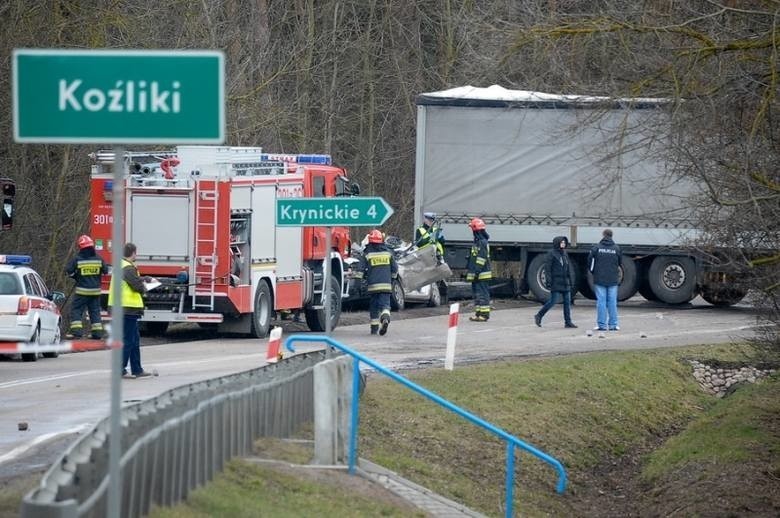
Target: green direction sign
(324, 212)
(119, 97)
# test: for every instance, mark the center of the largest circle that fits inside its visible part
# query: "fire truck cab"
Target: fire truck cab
(204, 221)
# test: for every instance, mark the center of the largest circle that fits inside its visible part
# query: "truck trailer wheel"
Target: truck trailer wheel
(537, 278)
(261, 316)
(672, 279)
(315, 318)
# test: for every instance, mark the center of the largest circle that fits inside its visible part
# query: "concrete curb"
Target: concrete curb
(415, 494)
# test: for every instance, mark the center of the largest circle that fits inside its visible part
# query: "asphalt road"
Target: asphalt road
(61, 397)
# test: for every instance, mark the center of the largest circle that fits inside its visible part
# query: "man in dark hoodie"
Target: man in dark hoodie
(86, 269)
(478, 271)
(559, 281)
(604, 263)
(379, 268)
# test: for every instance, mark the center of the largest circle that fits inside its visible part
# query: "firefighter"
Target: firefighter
(479, 273)
(429, 233)
(86, 269)
(379, 268)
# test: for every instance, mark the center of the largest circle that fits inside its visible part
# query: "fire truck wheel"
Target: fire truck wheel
(261, 317)
(315, 318)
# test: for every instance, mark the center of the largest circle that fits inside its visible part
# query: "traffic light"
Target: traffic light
(9, 192)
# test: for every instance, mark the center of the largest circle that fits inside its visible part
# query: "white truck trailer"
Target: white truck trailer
(535, 166)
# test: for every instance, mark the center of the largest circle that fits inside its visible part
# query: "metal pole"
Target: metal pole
(326, 283)
(116, 334)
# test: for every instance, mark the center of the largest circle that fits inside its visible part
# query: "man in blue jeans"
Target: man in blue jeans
(604, 263)
(132, 291)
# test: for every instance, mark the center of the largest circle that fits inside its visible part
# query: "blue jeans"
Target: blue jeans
(131, 348)
(606, 306)
(553, 300)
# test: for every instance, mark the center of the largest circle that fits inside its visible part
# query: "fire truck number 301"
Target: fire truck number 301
(103, 219)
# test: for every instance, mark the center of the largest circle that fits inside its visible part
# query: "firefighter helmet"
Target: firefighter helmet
(85, 241)
(477, 224)
(375, 236)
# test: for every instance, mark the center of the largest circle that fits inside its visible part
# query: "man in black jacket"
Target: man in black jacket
(559, 281)
(604, 263)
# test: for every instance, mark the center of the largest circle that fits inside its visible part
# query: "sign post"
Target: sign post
(118, 97)
(331, 212)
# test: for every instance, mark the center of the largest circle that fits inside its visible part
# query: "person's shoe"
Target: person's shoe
(616, 328)
(126, 375)
(143, 374)
(538, 320)
(478, 318)
(571, 325)
(385, 321)
(599, 328)
(374, 329)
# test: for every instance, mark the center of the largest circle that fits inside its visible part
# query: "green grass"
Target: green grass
(734, 430)
(583, 409)
(253, 491)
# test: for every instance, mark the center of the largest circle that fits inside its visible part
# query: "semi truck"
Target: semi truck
(535, 165)
(204, 221)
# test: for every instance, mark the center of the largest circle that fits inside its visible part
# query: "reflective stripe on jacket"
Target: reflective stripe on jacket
(86, 269)
(132, 296)
(379, 268)
(479, 261)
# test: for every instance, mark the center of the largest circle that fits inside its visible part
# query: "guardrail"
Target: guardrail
(177, 441)
(512, 442)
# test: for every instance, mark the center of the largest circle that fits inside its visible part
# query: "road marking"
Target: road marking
(19, 450)
(43, 379)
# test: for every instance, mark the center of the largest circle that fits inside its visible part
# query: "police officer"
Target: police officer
(379, 268)
(604, 263)
(478, 271)
(86, 269)
(429, 233)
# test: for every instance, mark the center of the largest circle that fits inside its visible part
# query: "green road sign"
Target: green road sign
(118, 96)
(324, 212)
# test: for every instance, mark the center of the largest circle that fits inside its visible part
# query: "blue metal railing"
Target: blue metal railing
(512, 442)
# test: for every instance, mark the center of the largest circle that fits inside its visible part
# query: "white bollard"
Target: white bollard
(274, 341)
(452, 334)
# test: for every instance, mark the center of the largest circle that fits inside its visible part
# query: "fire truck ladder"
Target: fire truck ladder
(205, 244)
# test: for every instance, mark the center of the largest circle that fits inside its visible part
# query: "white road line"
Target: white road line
(20, 450)
(44, 379)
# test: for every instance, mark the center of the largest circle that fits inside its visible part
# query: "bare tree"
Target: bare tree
(718, 64)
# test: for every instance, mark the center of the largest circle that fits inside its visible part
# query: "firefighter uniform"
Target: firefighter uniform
(379, 268)
(478, 271)
(86, 269)
(429, 233)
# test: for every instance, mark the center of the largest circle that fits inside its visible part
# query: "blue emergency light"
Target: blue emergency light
(15, 259)
(298, 159)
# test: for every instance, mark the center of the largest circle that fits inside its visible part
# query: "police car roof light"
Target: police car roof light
(15, 259)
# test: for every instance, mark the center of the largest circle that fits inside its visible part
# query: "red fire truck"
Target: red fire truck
(204, 221)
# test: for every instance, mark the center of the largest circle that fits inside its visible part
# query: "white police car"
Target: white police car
(29, 312)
